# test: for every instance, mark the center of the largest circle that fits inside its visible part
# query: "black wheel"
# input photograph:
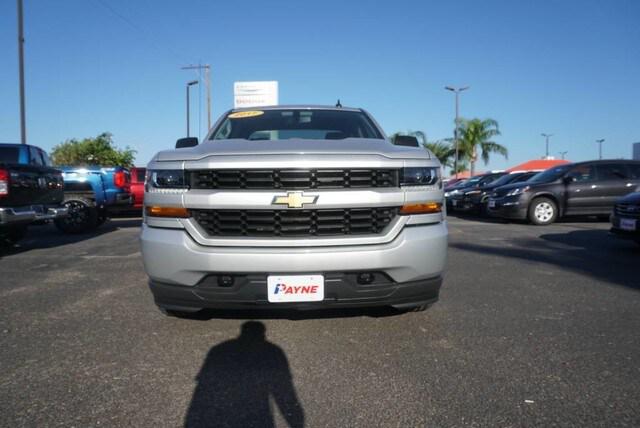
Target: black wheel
(11, 236)
(543, 211)
(102, 218)
(82, 216)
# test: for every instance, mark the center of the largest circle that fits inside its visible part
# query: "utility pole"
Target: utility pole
(189, 84)
(600, 141)
(546, 137)
(207, 83)
(562, 154)
(455, 131)
(23, 121)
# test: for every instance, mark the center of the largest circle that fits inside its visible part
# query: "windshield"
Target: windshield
(505, 179)
(290, 123)
(552, 174)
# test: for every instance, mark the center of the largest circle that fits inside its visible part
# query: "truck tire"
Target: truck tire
(82, 217)
(102, 217)
(11, 236)
(542, 211)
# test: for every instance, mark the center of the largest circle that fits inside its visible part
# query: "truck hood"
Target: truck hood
(348, 146)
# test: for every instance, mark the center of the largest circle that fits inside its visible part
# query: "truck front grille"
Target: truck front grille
(295, 223)
(293, 178)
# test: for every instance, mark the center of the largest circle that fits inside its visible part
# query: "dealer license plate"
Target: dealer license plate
(628, 224)
(295, 288)
(492, 203)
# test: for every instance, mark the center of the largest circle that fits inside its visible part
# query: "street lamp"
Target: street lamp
(546, 137)
(23, 120)
(189, 84)
(562, 154)
(455, 131)
(600, 141)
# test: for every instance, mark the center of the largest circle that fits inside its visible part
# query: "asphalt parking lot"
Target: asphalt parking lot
(536, 326)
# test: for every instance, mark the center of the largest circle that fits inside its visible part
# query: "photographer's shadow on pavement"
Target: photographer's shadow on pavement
(238, 381)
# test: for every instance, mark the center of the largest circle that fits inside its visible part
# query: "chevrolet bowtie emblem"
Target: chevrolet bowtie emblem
(294, 200)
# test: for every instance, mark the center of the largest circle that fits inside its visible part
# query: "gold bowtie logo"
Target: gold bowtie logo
(294, 200)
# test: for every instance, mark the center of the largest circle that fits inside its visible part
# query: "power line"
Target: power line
(146, 34)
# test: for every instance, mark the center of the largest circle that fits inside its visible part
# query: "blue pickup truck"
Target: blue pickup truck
(91, 194)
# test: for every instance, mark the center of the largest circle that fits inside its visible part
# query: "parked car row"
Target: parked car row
(76, 199)
(473, 195)
(603, 188)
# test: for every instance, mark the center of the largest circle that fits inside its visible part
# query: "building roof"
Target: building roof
(537, 165)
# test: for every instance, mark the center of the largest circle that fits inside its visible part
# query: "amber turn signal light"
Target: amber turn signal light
(425, 208)
(155, 211)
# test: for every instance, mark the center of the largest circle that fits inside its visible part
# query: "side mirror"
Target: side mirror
(568, 179)
(406, 140)
(186, 142)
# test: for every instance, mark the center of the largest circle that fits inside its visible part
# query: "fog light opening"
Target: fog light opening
(225, 280)
(365, 278)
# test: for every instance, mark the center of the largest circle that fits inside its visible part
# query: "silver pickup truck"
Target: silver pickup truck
(294, 207)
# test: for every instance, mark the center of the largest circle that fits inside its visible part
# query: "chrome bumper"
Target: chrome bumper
(30, 214)
(172, 256)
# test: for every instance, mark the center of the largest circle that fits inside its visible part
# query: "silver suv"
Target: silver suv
(294, 207)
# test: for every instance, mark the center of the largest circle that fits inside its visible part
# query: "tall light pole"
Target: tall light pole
(23, 120)
(546, 138)
(562, 154)
(600, 141)
(189, 84)
(207, 83)
(455, 131)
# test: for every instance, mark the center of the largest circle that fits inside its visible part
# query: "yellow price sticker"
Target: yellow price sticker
(243, 114)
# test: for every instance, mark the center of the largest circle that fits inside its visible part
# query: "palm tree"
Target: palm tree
(476, 136)
(441, 149)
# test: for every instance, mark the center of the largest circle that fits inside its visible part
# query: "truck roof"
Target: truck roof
(298, 107)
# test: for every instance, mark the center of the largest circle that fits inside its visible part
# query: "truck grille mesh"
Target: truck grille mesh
(291, 223)
(293, 178)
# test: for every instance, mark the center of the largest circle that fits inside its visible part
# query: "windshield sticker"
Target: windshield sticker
(243, 114)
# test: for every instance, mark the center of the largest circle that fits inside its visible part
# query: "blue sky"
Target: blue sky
(570, 68)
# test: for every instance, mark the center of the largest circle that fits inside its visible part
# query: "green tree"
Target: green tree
(440, 148)
(100, 150)
(476, 141)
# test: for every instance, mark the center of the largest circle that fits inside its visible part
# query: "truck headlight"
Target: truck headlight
(165, 179)
(421, 176)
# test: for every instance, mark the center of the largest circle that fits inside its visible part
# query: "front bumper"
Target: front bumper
(177, 266)
(465, 204)
(250, 292)
(29, 214)
(625, 233)
(511, 207)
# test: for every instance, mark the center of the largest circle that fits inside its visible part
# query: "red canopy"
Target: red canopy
(537, 165)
